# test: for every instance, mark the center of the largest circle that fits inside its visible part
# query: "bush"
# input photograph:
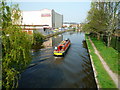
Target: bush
(38, 39)
(16, 46)
(16, 56)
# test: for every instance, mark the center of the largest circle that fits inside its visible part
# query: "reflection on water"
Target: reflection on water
(58, 60)
(56, 40)
(71, 71)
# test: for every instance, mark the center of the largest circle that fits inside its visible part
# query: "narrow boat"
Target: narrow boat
(61, 49)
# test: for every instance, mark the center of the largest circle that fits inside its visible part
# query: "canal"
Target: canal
(74, 70)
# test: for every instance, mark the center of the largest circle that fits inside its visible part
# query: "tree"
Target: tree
(38, 39)
(16, 47)
(111, 9)
(96, 19)
(102, 18)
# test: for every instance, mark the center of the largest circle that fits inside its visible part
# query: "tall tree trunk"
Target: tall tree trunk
(98, 36)
(109, 41)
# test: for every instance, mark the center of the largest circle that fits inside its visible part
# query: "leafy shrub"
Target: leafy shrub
(16, 46)
(38, 39)
(16, 56)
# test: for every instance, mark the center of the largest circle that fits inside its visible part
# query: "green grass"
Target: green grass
(109, 54)
(103, 78)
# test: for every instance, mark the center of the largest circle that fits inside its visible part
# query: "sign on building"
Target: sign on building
(45, 15)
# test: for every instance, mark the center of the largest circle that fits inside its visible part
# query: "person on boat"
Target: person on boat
(56, 48)
(66, 39)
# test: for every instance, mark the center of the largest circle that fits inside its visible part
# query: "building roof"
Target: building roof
(41, 10)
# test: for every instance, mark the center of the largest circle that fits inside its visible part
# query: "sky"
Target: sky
(71, 11)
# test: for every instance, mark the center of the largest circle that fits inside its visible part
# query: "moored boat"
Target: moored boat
(61, 49)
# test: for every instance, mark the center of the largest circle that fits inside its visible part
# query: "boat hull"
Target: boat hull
(61, 54)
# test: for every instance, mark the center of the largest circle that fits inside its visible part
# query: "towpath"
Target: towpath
(115, 77)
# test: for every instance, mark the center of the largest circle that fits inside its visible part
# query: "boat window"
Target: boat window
(60, 47)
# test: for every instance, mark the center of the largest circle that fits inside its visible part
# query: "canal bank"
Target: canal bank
(57, 33)
(102, 77)
(94, 70)
(42, 41)
(74, 70)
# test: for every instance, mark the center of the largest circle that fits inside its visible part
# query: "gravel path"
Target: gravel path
(114, 76)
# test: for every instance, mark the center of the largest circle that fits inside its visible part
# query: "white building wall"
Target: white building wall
(42, 17)
(46, 17)
(31, 18)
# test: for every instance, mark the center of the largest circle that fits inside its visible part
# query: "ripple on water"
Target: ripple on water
(71, 71)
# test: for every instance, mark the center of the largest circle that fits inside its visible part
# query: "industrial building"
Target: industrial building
(47, 18)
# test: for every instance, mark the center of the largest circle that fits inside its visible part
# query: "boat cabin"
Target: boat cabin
(62, 45)
(62, 48)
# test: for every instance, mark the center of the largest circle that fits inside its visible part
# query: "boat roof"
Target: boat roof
(62, 43)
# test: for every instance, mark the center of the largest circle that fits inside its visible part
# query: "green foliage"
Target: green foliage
(74, 28)
(104, 80)
(16, 47)
(115, 43)
(96, 20)
(38, 39)
(102, 18)
(16, 14)
(15, 54)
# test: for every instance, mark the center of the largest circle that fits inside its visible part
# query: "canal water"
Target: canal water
(74, 70)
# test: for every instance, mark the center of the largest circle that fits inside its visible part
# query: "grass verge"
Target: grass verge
(103, 78)
(109, 54)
